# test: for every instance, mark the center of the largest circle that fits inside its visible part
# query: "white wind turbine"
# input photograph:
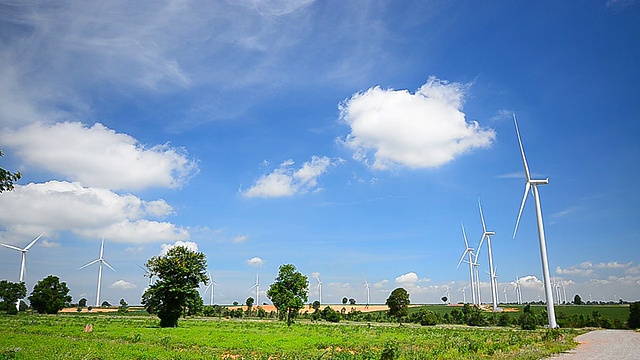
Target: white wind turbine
(319, 287)
(487, 234)
(464, 296)
(532, 186)
(257, 286)
(476, 265)
(447, 294)
(100, 260)
(468, 251)
(505, 295)
(147, 274)
(518, 291)
(211, 286)
(23, 261)
(367, 287)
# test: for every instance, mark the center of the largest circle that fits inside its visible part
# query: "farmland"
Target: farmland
(114, 336)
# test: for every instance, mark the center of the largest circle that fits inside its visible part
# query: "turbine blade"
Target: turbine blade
(106, 263)
(33, 242)
(91, 263)
(527, 187)
(102, 248)
(524, 159)
(464, 235)
(484, 227)
(461, 258)
(11, 247)
(479, 247)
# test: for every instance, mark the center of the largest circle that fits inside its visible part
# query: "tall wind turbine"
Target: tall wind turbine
(100, 260)
(464, 296)
(319, 288)
(532, 186)
(468, 251)
(516, 288)
(257, 286)
(23, 261)
(211, 286)
(487, 234)
(367, 287)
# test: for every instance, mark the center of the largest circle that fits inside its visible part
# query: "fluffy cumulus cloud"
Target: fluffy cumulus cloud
(57, 206)
(255, 262)
(409, 278)
(99, 157)
(188, 244)
(287, 181)
(122, 285)
(391, 128)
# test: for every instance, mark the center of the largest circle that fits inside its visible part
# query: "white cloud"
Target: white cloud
(188, 244)
(421, 130)
(381, 284)
(410, 278)
(255, 262)
(123, 285)
(99, 157)
(286, 181)
(530, 281)
(574, 271)
(134, 250)
(57, 206)
(240, 239)
(612, 265)
(49, 244)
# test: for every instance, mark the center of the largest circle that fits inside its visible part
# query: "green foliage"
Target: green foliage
(428, 318)
(10, 292)
(331, 315)
(179, 274)
(398, 303)
(124, 307)
(289, 292)
(105, 304)
(528, 319)
(390, 351)
(352, 301)
(50, 295)
(577, 300)
(7, 178)
(634, 315)
(344, 300)
(316, 305)
(82, 302)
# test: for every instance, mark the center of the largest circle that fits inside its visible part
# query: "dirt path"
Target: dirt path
(604, 344)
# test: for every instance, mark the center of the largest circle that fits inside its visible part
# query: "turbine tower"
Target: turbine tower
(367, 287)
(101, 260)
(487, 234)
(468, 251)
(532, 186)
(464, 296)
(23, 261)
(257, 286)
(319, 288)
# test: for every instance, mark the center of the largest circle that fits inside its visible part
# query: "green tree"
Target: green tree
(634, 315)
(10, 293)
(289, 292)
(123, 306)
(105, 304)
(82, 302)
(352, 301)
(50, 295)
(577, 300)
(249, 303)
(316, 305)
(528, 318)
(179, 273)
(344, 300)
(7, 178)
(398, 303)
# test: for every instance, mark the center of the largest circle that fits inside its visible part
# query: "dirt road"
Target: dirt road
(604, 344)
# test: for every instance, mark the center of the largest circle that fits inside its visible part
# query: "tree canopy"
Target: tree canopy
(289, 292)
(10, 293)
(7, 178)
(50, 295)
(179, 274)
(398, 303)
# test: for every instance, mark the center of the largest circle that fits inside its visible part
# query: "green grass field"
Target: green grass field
(138, 337)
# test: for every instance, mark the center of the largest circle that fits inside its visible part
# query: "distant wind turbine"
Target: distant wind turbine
(100, 260)
(211, 286)
(532, 186)
(464, 296)
(319, 288)
(367, 287)
(487, 234)
(468, 251)
(23, 261)
(447, 294)
(257, 286)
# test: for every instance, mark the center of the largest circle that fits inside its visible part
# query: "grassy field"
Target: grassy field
(138, 337)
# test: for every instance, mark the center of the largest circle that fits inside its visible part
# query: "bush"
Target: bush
(528, 319)
(331, 315)
(634, 315)
(428, 318)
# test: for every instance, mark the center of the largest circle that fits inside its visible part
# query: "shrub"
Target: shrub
(634, 315)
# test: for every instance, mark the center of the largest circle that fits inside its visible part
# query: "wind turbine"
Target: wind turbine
(487, 234)
(147, 274)
(468, 251)
(532, 185)
(212, 285)
(447, 294)
(505, 295)
(100, 260)
(367, 287)
(518, 291)
(464, 296)
(319, 288)
(23, 261)
(257, 286)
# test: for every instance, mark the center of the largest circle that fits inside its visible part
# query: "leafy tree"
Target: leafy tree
(398, 303)
(316, 305)
(427, 317)
(123, 306)
(634, 315)
(178, 273)
(105, 304)
(344, 300)
(528, 318)
(444, 299)
(577, 300)
(10, 292)
(49, 295)
(7, 179)
(235, 303)
(331, 315)
(352, 301)
(82, 302)
(249, 303)
(289, 292)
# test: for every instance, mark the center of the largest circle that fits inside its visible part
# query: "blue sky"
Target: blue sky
(351, 139)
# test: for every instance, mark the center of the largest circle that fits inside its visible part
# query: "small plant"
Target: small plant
(390, 350)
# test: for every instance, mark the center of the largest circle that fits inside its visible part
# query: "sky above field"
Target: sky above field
(351, 139)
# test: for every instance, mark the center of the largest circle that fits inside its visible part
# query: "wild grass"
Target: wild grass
(139, 337)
